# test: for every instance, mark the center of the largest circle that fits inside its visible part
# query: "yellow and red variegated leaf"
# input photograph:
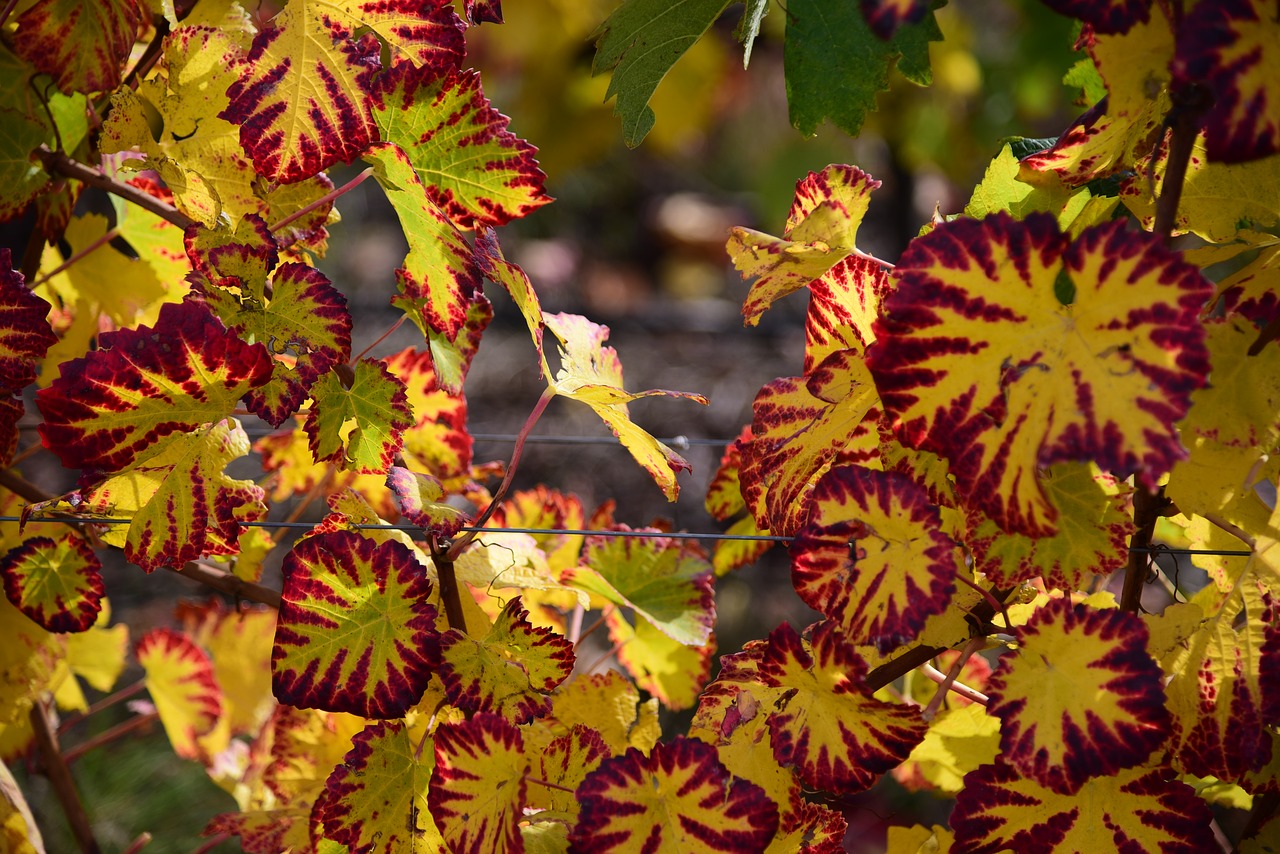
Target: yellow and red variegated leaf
(809, 828)
(667, 669)
(109, 407)
(724, 501)
(610, 704)
(56, 583)
(1104, 16)
(83, 46)
(827, 726)
(510, 672)
(843, 305)
(180, 680)
(246, 254)
(884, 17)
(439, 278)
(678, 798)
(1094, 526)
(1119, 130)
(547, 509)
(181, 503)
(1226, 688)
(799, 426)
(516, 283)
(1098, 708)
(304, 97)
(475, 170)
(1008, 347)
(1229, 47)
(1142, 809)
(666, 581)
(421, 501)
(477, 791)
(591, 373)
(873, 556)
(361, 425)
(820, 232)
(376, 800)
(959, 740)
(305, 323)
(565, 762)
(25, 334)
(438, 442)
(239, 642)
(356, 632)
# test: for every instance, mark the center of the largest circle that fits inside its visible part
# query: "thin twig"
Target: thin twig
(575, 624)
(326, 198)
(229, 583)
(64, 785)
(591, 629)
(107, 236)
(996, 605)
(125, 693)
(381, 338)
(58, 163)
(142, 841)
(602, 659)
(212, 843)
(7, 11)
(539, 782)
(109, 735)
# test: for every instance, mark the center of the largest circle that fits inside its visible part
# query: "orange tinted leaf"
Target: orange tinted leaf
(360, 427)
(376, 800)
(1143, 809)
(677, 798)
(356, 632)
(1230, 47)
(109, 407)
(438, 442)
(979, 359)
(510, 671)
(666, 581)
(182, 685)
(873, 556)
(1097, 709)
(54, 582)
(827, 725)
(821, 227)
(83, 46)
(475, 170)
(477, 791)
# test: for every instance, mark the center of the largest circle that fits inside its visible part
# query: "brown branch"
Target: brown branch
(1190, 104)
(57, 163)
(1148, 507)
(229, 583)
(64, 785)
(450, 591)
(110, 734)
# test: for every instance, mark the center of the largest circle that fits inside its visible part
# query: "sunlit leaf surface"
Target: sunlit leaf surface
(182, 685)
(82, 45)
(477, 791)
(360, 426)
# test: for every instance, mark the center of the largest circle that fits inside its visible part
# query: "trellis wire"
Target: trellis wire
(568, 532)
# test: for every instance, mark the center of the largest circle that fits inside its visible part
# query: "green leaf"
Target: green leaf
(640, 42)
(374, 409)
(835, 64)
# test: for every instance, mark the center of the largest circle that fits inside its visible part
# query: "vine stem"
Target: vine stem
(575, 624)
(450, 590)
(107, 736)
(212, 843)
(58, 163)
(143, 840)
(105, 703)
(383, 337)
(538, 408)
(595, 625)
(7, 11)
(59, 774)
(948, 682)
(539, 782)
(323, 200)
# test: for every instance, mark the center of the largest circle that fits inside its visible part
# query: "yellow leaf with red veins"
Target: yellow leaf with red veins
(477, 792)
(239, 643)
(1096, 709)
(678, 798)
(873, 557)
(1008, 347)
(821, 228)
(843, 305)
(1141, 809)
(564, 763)
(359, 426)
(377, 797)
(591, 373)
(182, 684)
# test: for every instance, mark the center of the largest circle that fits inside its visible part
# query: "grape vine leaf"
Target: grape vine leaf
(1093, 712)
(1253, 291)
(1008, 346)
(551, 510)
(242, 257)
(591, 373)
(835, 64)
(437, 442)
(356, 631)
(360, 425)
(1002, 190)
(180, 680)
(826, 725)
(667, 582)
(1145, 809)
(23, 177)
(377, 798)
(499, 270)
(238, 640)
(181, 504)
(820, 232)
(610, 704)
(25, 334)
(1229, 47)
(510, 671)
(83, 47)
(56, 583)
(1094, 527)
(873, 557)
(303, 99)
(477, 789)
(679, 797)
(565, 761)
(667, 669)
(108, 408)
(843, 305)
(475, 170)
(958, 741)
(507, 560)
(1109, 17)
(421, 501)
(724, 501)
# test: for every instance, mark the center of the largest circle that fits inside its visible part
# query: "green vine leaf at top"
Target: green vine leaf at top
(979, 359)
